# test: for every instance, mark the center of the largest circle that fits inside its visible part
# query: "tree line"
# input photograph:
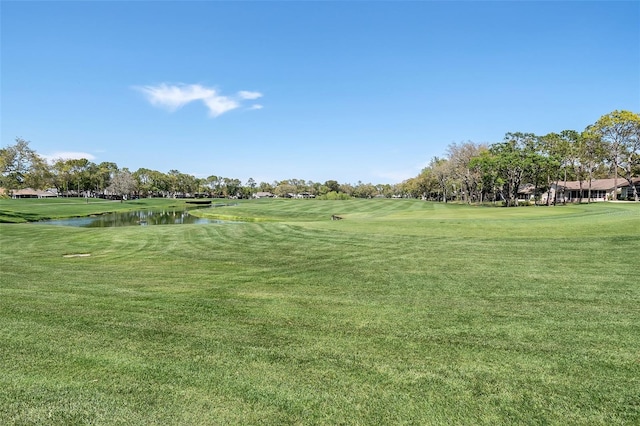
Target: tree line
(497, 172)
(22, 167)
(468, 172)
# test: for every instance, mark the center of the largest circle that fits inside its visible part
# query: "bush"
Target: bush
(333, 195)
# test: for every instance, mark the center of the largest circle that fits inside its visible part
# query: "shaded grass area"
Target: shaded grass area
(404, 312)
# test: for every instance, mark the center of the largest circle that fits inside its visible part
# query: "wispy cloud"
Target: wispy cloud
(243, 94)
(256, 106)
(68, 155)
(174, 96)
(219, 105)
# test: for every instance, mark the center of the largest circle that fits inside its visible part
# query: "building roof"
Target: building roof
(32, 192)
(597, 184)
(526, 189)
(25, 191)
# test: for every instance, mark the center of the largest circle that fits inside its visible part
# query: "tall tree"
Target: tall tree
(79, 173)
(573, 143)
(284, 188)
(592, 154)
(61, 176)
(620, 131)
(364, 190)
(266, 187)
(513, 160)
(173, 181)
(40, 175)
(231, 187)
(105, 172)
(123, 184)
(214, 183)
(441, 170)
(491, 181)
(555, 149)
(144, 179)
(460, 156)
(250, 187)
(16, 163)
(332, 185)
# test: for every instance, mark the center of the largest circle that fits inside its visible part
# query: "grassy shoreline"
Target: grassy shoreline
(403, 312)
(33, 209)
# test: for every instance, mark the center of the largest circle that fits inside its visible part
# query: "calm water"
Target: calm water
(133, 218)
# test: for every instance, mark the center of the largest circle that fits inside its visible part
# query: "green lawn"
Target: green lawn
(405, 312)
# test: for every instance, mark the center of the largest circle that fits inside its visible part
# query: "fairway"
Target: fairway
(404, 312)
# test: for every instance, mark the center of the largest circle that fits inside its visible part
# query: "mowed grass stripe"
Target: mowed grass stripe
(316, 321)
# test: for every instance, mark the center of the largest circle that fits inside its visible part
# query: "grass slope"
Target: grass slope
(403, 312)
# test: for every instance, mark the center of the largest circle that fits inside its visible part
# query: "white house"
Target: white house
(601, 190)
(262, 194)
(32, 193)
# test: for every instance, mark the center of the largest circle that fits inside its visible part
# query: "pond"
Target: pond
(133, 218)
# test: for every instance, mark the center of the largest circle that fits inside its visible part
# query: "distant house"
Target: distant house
(262, 194)
(32, 193)
(601, 190)
(300, 195)
(526, 192)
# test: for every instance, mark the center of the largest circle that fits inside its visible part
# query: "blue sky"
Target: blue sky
(351, 91)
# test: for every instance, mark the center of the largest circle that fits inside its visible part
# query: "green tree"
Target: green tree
(61, 174)
(573, 146)
(555, 149)
(441, 170)
(364, 190)
(17, 162)
(160, 183)
(593, 153)
(620, 132)
(79, 174)
(231, 187)
(104, 173)
(468, 179)
(173, 182)
(424, 186)
(214, 183)
(40, 175)
(346, 188)
(250, 188)
(490, 180)
(332, 185)
(284, 188)
(513, 160)
(187, 184)
(266, 187)
(144, 179)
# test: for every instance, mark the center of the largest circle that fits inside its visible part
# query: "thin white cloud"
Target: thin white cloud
(256, 106)
(219, 105)
(174, 96)
(177, 96)
(243, 94)
(68, 155)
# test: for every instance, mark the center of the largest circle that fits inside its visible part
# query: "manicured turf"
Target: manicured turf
(404, 312)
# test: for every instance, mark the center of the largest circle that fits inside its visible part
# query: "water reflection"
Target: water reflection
(133, 218)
